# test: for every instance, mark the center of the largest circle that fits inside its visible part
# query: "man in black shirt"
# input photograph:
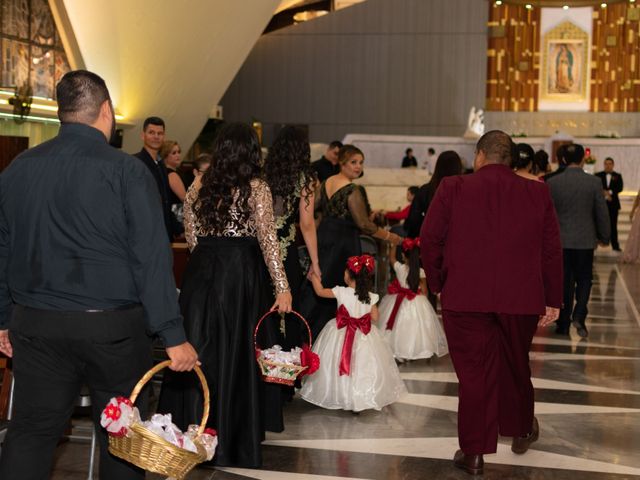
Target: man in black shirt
(85, 273)
(328, 165)
(409, 160)
(152, 139)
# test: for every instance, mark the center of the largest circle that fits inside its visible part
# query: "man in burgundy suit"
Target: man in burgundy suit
(490, 245)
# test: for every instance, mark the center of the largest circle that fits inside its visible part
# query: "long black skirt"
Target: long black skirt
(226, 289)
(337, 241)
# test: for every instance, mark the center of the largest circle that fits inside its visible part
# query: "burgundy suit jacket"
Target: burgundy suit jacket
(491, 243)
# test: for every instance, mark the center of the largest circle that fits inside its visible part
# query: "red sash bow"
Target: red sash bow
(402, 293)
(343, 319)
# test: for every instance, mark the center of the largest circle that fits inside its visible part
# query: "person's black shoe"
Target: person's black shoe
(562, 329)
(582, 329)
(520, 445)
(472, 464)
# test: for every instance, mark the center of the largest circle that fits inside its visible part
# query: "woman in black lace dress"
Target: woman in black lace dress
(292, 181)
(229, 282)
(343, 207)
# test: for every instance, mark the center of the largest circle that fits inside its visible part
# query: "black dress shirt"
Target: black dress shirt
(81, 229)
(325, 169)
(418, 210)
(408, 162)
(159, 172)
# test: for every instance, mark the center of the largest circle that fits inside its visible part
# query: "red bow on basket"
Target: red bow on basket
(309, 359)
(409, 244)
(402, 293)
(343, 319)
(355, 264)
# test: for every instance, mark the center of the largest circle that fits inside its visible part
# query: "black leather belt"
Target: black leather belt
(129, 306)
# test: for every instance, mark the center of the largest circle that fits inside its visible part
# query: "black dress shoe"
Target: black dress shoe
(520, 445)
(582, 329)
(472, 464)
(562, 330)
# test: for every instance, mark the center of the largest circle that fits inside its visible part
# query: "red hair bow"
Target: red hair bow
(355, 264)
(409, 244)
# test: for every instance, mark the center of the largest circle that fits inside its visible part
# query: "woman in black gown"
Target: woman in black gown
(447, 165)
(229, 226)
(170, 154)
(343, 207)
(292, 181)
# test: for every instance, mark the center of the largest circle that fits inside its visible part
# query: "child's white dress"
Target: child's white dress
(374, 380)
(416, 332)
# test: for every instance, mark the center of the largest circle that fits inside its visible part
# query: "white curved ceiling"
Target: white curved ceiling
(169, 58)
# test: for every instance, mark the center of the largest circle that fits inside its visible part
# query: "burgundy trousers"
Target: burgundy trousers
(490, 354)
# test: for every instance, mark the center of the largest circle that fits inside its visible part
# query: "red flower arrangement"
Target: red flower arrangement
(117, 416)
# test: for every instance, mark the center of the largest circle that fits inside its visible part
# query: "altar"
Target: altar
(386, 152)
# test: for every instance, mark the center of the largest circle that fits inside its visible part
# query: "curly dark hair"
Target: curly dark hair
(236, 161)
(364, 284)
(287, 162)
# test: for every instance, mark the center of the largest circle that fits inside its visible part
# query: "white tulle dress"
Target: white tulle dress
(374, 380)
(417, 332)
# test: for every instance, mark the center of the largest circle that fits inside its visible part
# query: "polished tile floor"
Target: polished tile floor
(587, 401)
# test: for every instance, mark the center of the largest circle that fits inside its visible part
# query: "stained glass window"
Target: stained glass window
(30, 47)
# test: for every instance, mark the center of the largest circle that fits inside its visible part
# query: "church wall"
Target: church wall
(578, 124)
(410, 67)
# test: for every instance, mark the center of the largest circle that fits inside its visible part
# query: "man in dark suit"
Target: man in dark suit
(612, 185)
(152, 139)
(490, 244)
(328, 165)
(584, 221)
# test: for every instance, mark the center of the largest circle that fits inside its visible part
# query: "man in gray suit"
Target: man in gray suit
(584, 222)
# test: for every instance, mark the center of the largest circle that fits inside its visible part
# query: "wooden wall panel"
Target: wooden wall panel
(10, 148)
(514, 43)
(615, 76)
(513, 58)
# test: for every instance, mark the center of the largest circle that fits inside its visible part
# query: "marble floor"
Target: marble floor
(587, 401)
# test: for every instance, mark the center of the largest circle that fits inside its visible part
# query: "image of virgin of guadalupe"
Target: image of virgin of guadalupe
(564, 69)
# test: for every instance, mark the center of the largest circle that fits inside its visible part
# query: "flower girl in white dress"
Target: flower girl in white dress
(410, 323)
(357, 371)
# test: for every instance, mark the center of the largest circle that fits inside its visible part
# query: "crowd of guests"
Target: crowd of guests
(244, 217)
(255, 212)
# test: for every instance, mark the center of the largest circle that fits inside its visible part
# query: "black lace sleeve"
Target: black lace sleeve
(358, 209)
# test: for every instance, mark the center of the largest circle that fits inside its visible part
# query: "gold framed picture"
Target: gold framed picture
(565, 70)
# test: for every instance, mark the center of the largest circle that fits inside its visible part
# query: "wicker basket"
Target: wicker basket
(149, 451)
(288, 371)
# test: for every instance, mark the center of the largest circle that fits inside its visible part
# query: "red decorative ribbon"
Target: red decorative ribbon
(409, 244)
(355, 264)
(343, 319)
(402, 293)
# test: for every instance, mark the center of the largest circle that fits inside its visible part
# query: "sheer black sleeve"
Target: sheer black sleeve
(358, 209)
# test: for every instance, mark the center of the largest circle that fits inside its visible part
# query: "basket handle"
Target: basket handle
(205, 388)
(255, 331)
